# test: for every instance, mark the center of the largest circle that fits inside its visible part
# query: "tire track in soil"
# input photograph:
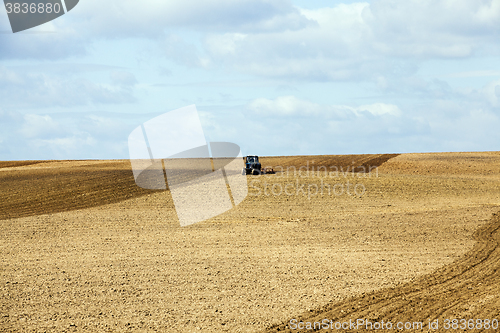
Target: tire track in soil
(467, 289)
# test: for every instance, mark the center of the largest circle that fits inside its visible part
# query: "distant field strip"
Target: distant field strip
(342, 162)
(31, 188)
(12, 164)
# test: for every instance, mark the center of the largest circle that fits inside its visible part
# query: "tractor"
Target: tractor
(253, 166)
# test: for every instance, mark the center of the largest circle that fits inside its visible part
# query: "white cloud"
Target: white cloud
(288, 125)
(150, 17)
(492, 93)
(75, 32)
(123, 78)
(470, 74)
(330, 49)
(63, 147)
(274, 38)
(379, 109)
(37, 126)
(65, 135)
(181, 52)
(225, 44)
(362, 40)
(486, 97)
(39, 89)
(9, 117)
(293, 106)
(53, 40)
(441, 28)
(284, 106)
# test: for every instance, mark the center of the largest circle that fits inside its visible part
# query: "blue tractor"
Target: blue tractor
(253, 166)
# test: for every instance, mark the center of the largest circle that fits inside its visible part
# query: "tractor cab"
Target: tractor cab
(252, 159)
(252, 165)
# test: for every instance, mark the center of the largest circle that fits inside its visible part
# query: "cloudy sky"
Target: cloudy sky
(276, 77)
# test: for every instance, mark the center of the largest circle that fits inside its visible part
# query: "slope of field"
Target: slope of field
(308, 243)
(468, 289)
(40, 187)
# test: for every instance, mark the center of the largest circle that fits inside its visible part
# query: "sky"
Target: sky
(276, 77)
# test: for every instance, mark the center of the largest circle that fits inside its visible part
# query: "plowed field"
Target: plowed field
(84, 249)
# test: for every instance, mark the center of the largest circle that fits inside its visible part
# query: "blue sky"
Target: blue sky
(275, 77)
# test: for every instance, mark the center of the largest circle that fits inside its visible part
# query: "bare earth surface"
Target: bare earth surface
(83, 249)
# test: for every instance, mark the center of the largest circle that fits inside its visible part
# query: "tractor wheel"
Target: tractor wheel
(256, 172)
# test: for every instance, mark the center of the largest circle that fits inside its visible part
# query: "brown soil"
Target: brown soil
(407, 240)
(467, 289)
(40, 187)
